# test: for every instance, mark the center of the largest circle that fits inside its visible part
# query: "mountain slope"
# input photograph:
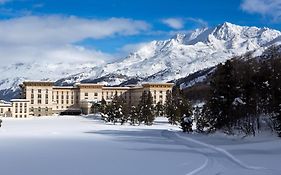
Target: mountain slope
(187, 53)
(165, 60)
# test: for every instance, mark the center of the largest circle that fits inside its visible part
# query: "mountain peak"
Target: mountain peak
(162, 60)
(228, 24)
(179, 37)
(227, 31)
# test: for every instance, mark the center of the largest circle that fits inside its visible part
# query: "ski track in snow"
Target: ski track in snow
(202, 167)
(204, 148)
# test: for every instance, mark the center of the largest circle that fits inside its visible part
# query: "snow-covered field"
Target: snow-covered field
(86, 146)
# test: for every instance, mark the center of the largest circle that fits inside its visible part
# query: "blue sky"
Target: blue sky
(111, 28)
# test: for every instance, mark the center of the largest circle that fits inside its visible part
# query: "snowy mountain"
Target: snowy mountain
(13, 75)
(184, 54)
(164, 60)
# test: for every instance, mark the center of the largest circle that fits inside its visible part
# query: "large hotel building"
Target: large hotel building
(41, 98)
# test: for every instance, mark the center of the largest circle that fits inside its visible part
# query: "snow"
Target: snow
(156, 61)
(184, 54)
(74, 145)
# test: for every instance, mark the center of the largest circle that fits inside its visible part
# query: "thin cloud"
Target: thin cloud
(266, 8)
(129, 48)
(198, 21)
(4, 1)
(175, 23)
(179, 23)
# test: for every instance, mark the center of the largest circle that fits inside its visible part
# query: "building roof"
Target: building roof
(19, 100)
(38, 83)
(158, 84)
(64, 87)
(115, 88)
(5, 104)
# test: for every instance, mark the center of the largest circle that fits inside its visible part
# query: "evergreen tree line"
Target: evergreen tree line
(176, 108)
(243, 92)
(118, 111)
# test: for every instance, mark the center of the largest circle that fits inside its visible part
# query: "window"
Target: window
(39, 90)
(39, 101)
(161, 96)
(32, 90)
(46, 109)
(31, 109)
(39, 96)
(96, 94)
(24, 116)
(160, 92)
(39, 109)
(16, 116)
(86, 94)
(1, 110)
(46, 99)
(32, 101)
(46, 91)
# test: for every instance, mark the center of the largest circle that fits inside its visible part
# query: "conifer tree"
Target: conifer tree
(275, 88)
(170, 107)
(95, 108)
(159, 109)
(223, 93)
(133, 115)
(146, 108)
(177, 107)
